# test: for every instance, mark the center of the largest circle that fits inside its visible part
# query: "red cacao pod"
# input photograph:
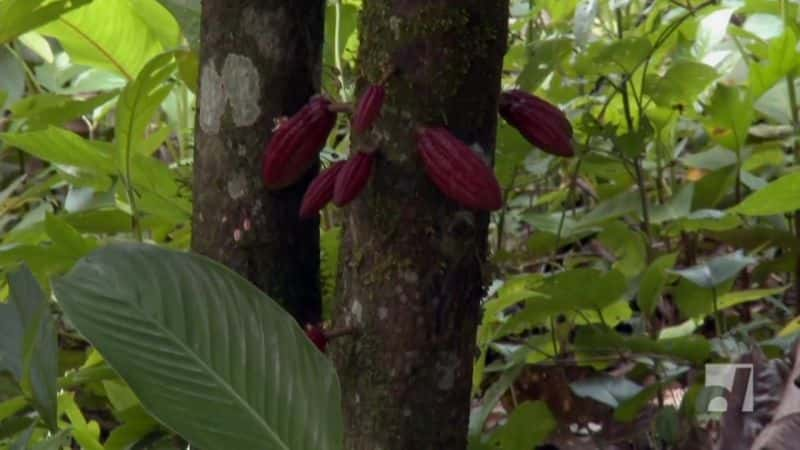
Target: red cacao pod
(369, 107)
(458, 172)
(320, 191)
(317, 336)
(296, 143)
(540, 122)
(353, 177)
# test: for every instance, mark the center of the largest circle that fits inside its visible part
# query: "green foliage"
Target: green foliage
(679, 202)
(528, 426)
(676, 216)
(20, 16)
(29, 346)
(207, 353)
(116, 35)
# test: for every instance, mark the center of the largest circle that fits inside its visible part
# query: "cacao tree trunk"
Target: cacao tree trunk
(259, 61)
(413, 263)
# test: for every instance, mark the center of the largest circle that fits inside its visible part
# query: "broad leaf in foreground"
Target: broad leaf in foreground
(206, 352)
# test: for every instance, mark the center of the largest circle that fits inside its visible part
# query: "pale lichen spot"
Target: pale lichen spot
(256, 209)
(212, 99)
(357, 310)
(394, 25)
(411, 277)
(446, 369)
(270, 45)
(237, 186)
(243, 86)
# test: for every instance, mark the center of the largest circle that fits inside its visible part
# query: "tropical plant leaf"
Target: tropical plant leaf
(19, 16)
(137, 104)
(206, 352)
(779, 197)
(29, 334)
(116, 35)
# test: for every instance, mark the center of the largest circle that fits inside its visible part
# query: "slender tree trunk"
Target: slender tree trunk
(260, 60)
(413, 263)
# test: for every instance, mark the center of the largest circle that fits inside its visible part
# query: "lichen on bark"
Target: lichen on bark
(412, 272)
(260, 61)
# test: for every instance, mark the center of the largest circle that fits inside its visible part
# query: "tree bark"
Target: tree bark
(413, 263)
(260, 60)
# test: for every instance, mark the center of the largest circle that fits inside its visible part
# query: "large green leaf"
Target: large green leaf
(187, 12)
(205, 351)
(711, 31)
(12, 83)
(157, 185)
(568, 290)
(41, 110)
(491, 397)
(60, 146)
(620, 56)
(779, 197)
(598, 339)
(619, 205)
(716, 271)
(606, 389)
(682, 83)
(543, 57)
(137, 104)
(783, 58)
(19, 16)
(116, 35)
(731, 111)
(29, 334)
(653, 282)
(528, 426)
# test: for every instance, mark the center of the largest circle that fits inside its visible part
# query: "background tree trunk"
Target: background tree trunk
(260, 60)
(412, 268)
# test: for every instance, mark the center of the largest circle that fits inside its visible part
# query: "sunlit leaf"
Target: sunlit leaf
(682, 83)
(114, 35)
(783, 58)
(20, 16)
(731, 112)
(711, 31)
(779, 197)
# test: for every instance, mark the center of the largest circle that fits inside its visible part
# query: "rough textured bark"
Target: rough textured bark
(412, 267)
(259, 61)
